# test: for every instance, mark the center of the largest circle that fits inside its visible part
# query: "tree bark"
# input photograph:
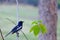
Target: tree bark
(48, 14)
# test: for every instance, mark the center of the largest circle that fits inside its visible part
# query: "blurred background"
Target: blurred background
(28, 11)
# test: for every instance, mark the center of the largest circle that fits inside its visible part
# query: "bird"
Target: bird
(16, 28)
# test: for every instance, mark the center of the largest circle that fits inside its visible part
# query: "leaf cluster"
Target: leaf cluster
(38, 27)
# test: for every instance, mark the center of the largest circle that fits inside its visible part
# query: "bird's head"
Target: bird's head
(20, 23)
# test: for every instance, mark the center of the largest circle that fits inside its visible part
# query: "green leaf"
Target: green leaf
(43, 28)
(35, 29)
(32, 29)
(34, 22)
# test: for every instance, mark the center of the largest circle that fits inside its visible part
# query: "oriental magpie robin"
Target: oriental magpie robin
(16, 28)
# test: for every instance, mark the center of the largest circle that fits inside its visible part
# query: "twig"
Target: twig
(20, 30)
(11, 21)
(1, 35)
(17, 10)
(17, 35)
(24, 35)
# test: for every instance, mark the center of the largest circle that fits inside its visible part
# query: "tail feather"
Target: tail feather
(7, 34)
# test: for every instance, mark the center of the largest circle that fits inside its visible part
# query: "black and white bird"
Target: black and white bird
(16, 28)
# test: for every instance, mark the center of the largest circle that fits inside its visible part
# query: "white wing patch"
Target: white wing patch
(19, 27)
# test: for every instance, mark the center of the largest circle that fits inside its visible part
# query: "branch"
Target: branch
(17, 35)
(11, 21)
(24, 35)
(1, 34)
(17, 10)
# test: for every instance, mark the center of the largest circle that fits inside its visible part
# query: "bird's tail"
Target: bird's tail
(7, 34)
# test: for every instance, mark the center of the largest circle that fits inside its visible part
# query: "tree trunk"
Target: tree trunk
(48, 14)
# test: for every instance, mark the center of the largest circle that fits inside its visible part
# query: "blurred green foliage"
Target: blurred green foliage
(33, 2)
(58, 4)
(30, 2)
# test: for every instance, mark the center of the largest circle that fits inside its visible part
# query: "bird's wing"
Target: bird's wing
(19, 28)
(15, 28)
